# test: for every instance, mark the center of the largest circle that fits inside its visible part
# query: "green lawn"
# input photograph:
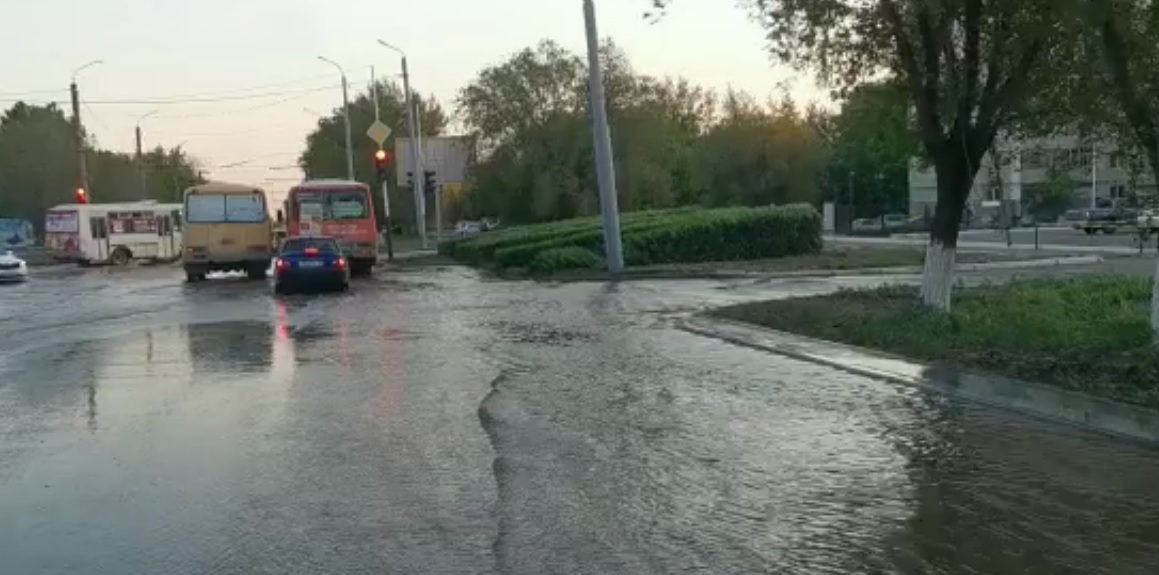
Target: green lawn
(1089, 334)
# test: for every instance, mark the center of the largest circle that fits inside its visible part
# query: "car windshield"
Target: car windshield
(299, 245)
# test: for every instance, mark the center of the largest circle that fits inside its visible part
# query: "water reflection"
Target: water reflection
(230, 347)
(998, 494)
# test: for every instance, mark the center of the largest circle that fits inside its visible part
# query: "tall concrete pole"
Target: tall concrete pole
(141, 157)
(605, 170)
(78, 133)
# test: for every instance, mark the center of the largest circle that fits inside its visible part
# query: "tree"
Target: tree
(872, 139)
(966, 64)
(325, 152)
(530, 116)
(1049, 199)
(38, 166)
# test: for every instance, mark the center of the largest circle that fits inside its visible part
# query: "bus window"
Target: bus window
(348, 205)
(205, 209)
(97, 228)
(175, 216)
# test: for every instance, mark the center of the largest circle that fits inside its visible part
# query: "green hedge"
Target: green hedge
(560, 259)
(655, 237)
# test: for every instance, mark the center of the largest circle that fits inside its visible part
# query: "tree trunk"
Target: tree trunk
(954, 183)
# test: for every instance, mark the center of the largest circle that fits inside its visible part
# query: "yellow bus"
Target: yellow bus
(227, 228)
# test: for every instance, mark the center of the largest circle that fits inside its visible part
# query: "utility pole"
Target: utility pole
(416, 159)
(605, 169)
(141, 165)
(78, 133)
(141, 157)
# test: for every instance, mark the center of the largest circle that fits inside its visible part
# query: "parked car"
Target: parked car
(12, 268)
(311, 263)
(894, 221)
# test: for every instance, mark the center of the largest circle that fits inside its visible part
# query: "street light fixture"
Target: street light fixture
(345, 116)
(416, 159)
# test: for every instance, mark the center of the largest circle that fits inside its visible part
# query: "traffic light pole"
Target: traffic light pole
(389, 226)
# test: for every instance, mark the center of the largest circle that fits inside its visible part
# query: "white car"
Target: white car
(12, 268)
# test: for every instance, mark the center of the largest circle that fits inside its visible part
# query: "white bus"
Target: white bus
(114, 233)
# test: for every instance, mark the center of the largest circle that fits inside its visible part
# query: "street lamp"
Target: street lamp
(416, 159)
(140, 156)
(346, 118)
(82, 163)
(605, 169)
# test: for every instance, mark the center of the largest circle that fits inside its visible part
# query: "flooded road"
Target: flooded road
(431, 422)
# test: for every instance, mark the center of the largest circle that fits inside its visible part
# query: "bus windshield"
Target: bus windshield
(336, 205)
(223, 208)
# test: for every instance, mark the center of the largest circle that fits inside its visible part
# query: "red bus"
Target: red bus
(340, 209)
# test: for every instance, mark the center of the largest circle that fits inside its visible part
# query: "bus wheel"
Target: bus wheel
(120, 257)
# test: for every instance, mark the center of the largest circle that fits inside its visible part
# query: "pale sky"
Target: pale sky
(158, 49)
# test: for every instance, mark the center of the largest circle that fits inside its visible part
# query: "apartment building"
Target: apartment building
(1095, 171)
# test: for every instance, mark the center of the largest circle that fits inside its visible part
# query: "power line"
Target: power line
(164, 102)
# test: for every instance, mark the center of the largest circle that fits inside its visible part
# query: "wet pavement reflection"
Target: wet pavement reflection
(431, 422)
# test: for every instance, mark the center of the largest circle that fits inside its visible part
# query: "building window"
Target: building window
(1119, 191)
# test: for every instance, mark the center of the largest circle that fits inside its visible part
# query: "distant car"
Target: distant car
(12, 268)
(894, 221)
(489, 224)
(311, 263)
(467, 229)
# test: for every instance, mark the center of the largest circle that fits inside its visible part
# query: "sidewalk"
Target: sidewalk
(922, 241)
(1024, 397)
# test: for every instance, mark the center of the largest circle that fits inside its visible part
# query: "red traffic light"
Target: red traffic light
(381, 157)
(82, 197)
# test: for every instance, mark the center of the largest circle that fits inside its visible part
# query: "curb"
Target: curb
(1032, 399)
(725, 274)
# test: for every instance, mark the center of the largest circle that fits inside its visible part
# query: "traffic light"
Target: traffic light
(428, 182)
(410, 180)
(381, 160)
(82, 197)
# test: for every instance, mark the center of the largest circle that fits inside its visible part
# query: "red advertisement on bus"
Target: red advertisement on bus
(339, 209)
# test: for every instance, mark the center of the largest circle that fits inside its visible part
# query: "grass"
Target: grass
(1089, 334)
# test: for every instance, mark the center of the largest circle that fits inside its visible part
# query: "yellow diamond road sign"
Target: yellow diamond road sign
(378, 132)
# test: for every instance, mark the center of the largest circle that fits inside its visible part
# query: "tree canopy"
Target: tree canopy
(38, 166)
(675, 143)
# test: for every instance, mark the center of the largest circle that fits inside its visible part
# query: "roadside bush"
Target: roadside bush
(561, 259)
(658, 236)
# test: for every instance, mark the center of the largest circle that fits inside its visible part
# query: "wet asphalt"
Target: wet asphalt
(430, 421)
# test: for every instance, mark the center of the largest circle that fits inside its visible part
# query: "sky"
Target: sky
(257, 61)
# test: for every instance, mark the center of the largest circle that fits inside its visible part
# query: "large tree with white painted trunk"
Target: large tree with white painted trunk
(969, 66)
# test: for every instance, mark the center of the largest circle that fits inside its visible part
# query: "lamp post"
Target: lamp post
(345, 117)
(416, 158)
(78, 131)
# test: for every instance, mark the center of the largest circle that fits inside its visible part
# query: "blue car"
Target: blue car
(312, 263)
